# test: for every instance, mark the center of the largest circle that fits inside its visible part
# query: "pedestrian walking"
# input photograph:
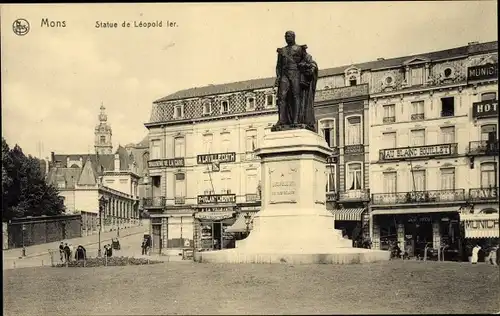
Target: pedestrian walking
(492, 258)
(67, 253)
(475, 254)
(143, 246)
(61, 251)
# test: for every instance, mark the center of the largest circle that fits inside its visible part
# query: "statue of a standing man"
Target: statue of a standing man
(297, 75)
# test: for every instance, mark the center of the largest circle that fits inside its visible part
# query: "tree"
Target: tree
(24, 189)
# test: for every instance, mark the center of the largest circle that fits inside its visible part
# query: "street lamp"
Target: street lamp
(102, 202)
(248, 217)
(24, 248)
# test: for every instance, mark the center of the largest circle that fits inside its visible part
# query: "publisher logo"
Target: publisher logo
(21, 27)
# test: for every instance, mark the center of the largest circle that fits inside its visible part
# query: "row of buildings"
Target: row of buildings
(415, 143)
(105, 187)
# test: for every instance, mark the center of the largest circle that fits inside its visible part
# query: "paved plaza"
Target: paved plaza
(397, 287)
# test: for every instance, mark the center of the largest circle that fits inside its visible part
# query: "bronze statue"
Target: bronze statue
(296, 77)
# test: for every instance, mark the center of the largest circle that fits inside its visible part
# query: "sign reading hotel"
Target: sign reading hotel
(217, 199)
(488, 71)
(487, 108)
(220, 157)
(283, 184)
(166, 163)
(417, 152)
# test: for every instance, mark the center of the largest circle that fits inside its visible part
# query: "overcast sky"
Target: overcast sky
(54, 79)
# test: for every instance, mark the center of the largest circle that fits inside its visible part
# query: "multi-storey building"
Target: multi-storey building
(422, 131)
(205, 176)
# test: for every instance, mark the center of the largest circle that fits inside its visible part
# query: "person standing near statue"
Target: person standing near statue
(296, 78)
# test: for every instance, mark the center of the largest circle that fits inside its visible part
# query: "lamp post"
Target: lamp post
(247, 222)
(24, 248)
(102, 202)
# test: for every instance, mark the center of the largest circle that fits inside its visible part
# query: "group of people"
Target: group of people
(66, 250)
(491, 258)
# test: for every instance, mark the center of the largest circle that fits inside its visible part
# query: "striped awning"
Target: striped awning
(240, 224)
(481, 225)
(348, 214)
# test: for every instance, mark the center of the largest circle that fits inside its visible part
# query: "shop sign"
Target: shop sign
(214, 216)
(481, 72)
(427, 219)
(166, 163)
(216, 209)
(486, 108)
(481, 225)
(416, 152)
(484, 194)
(217, 199)
(219, 157)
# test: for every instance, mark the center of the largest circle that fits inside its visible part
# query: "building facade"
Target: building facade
(423, 137)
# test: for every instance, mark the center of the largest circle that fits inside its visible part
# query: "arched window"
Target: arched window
(327, 130)
(207, 107)
(488, 175)
(488, 96)
(354, 179)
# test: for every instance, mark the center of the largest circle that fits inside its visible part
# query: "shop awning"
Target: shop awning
(413, 210)
(480, 225)
(214, 216)
(348, 214)
(240, 225)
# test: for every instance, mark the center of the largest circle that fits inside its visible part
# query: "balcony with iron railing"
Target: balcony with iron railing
(331, 196)
(354, 195)
(483, 148)
(389, 119)
(154, 202)
(252, 197)
(418, 197)
(489, 194)
(179, 200)
(417, 117)
(354, 149)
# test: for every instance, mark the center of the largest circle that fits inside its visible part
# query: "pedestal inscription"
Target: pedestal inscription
(283, 180)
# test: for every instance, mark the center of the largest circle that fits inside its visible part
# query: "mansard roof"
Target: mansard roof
(377, 64)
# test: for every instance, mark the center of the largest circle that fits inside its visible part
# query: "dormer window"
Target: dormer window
(207, 108)
(250, 103)
(417, 76)
(179, 111)
(352, 81)
(352, 76)
(224, 107)
(270, 101)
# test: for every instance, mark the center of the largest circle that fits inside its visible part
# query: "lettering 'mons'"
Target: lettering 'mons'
(45, 22)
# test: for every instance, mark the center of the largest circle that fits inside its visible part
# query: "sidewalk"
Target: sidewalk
(42, 249)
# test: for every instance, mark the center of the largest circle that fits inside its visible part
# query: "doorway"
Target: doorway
(156, 239)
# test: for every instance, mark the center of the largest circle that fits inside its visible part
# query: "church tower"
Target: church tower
(102, 143)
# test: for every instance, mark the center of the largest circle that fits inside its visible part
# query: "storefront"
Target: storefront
(350, 222)
(214, 214)
(172, 232)
(481, 229)
(417, 230)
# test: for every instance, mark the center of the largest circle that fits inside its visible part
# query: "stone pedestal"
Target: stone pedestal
(293, 225)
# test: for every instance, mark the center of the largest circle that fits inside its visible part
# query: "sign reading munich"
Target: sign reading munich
(166, 163)
(220, 157)
(481, 72)
(412, 152)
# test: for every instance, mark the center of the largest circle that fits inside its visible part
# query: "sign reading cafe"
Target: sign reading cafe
(220, 157)
(411, 152)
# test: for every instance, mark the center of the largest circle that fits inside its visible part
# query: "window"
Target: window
(488, 175)
(327, 129)
(207, 108)
(224, 107)
(390, 182)
(155, 149)
(389, 113)
(225, 179)
(225, 142)
(417, 76)
(488, 132)
(417, 109)
(208, 143)
(250, 141)
(447, 106)
(418, 180)
(179, 147)
(207, 185)
(447, 72)
(102, 139)
(352, 81)
(330, 179)
(390, 140)
(270, 101)
(488, 96)
(354, 130)
(250, 103)
(61, 184)
(251, 181)
(448, 135)
(448, 179)
(417, 137)
(180, 185)
(179, 111)
(354, 180)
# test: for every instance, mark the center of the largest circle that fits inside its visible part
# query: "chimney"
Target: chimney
(117, 162)
(53, 156)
